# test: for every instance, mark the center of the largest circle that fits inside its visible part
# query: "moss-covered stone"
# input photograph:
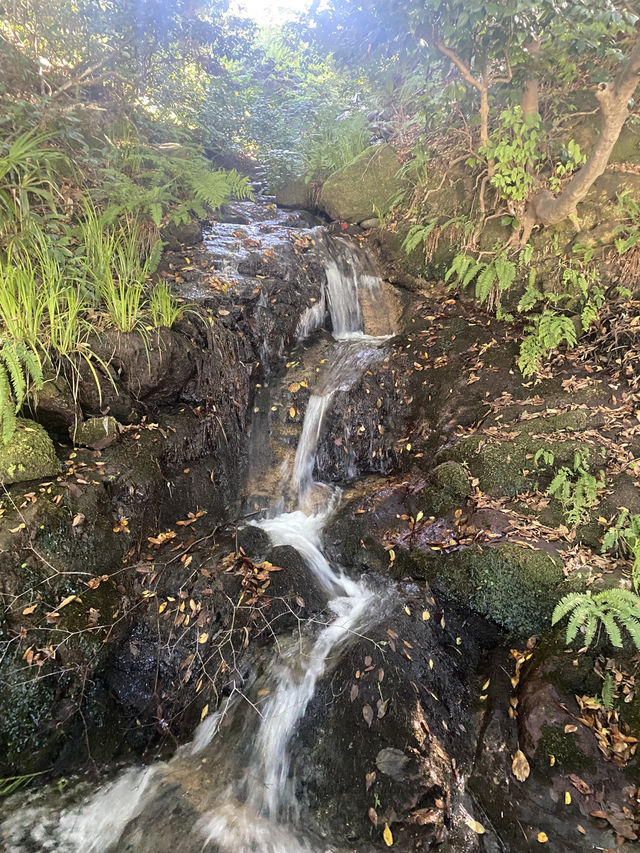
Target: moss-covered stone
(95, 432)
(28, 455)
(364, 187)
(500, 465)
(513, 586)
(447, 488)
(568, 754)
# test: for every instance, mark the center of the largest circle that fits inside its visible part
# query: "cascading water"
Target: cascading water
(245, 798)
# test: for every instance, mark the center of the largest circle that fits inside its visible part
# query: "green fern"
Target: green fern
(576, 489)
(547, 333)
(491, 280)
(613, 610)
(624, 538)
(20, 370)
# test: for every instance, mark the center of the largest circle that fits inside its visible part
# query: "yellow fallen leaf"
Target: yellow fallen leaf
(478, 828)
(542, 838)
(203, 638)
(29, 609)
(387, 835)
(204, 713)
(162, 607)
(425, 615)
(292, 412)
(419, 516)
(520, 766)
(567, 798)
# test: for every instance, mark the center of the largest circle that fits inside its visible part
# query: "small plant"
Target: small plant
(545, 456)
(552, 327)
(20, 369)
(547, 332)
(576, 488)
(624, 538)
(611, 609)
(492, 279)
(163, 306)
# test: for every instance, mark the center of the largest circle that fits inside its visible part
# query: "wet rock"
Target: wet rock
(509, 584)
(28, 455)
(385, 729)
(54, 405)
(176, 235)
(296, 194)
(96, 433)
(141, 372)
(365, 186)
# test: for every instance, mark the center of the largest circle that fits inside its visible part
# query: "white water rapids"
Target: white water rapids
(246, 798)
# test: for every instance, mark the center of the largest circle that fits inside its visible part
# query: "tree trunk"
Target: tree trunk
(546, 209)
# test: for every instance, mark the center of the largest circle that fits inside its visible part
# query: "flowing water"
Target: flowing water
(234, 784)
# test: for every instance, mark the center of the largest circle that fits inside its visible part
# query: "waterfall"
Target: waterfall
(251, 807)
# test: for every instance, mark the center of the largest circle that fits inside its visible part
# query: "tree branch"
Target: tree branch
(462, 68)
(614, 110)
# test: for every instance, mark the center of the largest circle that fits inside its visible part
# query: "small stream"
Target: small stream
(233, 787)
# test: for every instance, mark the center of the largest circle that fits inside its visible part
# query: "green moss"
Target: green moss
(95, 432)
(364, 187)
(564, 747)
(500, 465)
(447, 488)
(29, 455)
(513, 586)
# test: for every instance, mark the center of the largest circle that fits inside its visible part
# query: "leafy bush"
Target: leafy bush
(28, 192)
(171, 183)
(611, 609)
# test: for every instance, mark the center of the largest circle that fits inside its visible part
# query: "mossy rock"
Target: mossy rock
(513, 586)
(363, 188)
(97, 433)
(28, 455)
(447, 488)
(500, 466)
(568, 755)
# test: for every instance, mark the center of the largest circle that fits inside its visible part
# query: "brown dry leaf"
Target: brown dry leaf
(30, 609)
(354, 692)
(367, 713)
(77, 519)
(520, 766)
(370, 779)
(373, 816)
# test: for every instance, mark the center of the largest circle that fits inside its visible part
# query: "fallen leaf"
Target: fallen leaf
(542, 838)
(478, 828)
(29, 609)
(204, 713)
(387, 835)
(520, 766)
(367, 713)
(373, 816)
(370, 779)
